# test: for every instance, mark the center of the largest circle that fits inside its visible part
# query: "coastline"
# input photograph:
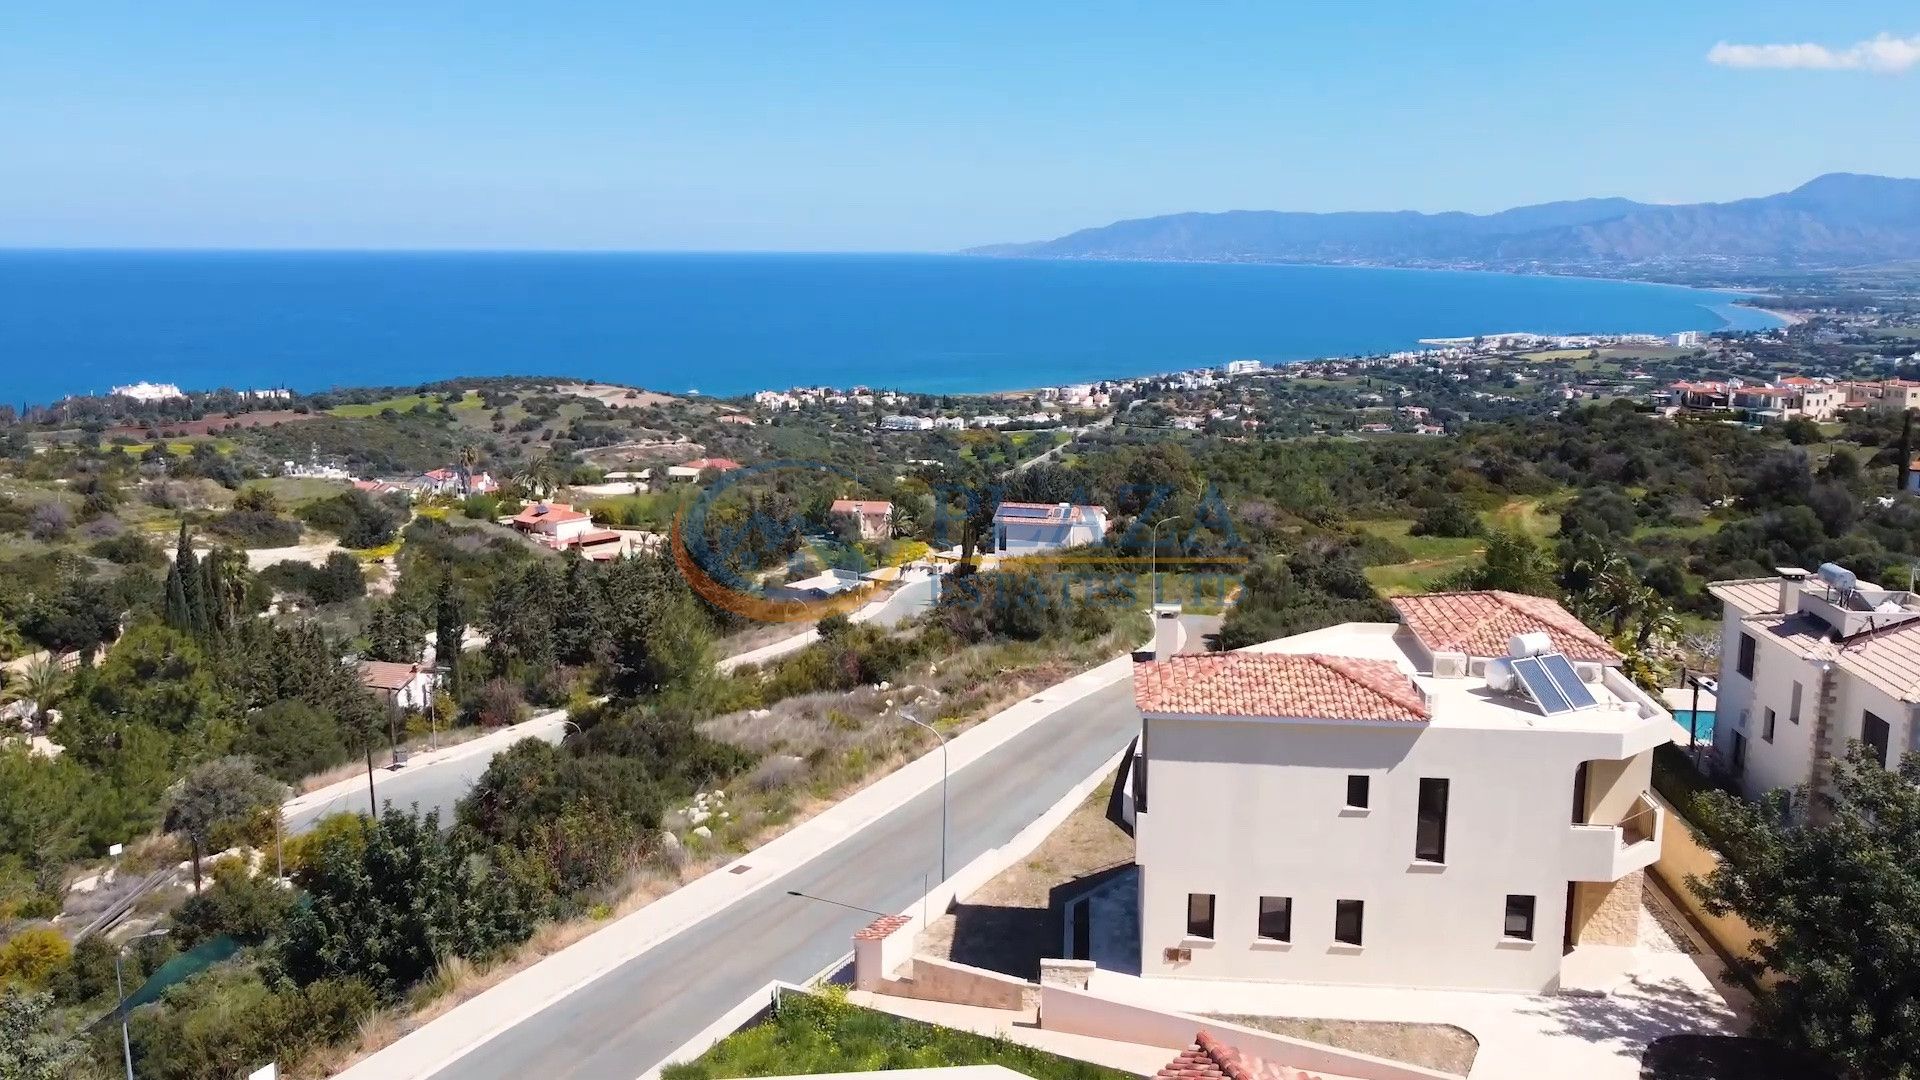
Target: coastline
(946, 332)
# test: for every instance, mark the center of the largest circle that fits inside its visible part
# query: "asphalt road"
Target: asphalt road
(907, 601)
(622, 1024)
(435, 786)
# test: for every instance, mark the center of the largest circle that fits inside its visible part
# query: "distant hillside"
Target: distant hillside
(1841, 219)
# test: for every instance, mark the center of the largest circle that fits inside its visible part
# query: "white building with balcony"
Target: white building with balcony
(1457, 800)
(1809, 663)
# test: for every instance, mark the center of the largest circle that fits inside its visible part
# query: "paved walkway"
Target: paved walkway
(1522, 1037)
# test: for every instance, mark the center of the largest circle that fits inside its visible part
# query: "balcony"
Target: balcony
(1611, 852)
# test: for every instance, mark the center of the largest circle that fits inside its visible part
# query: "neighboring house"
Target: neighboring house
(1912, 483)
(1809, 663)
(437, 482)
(872, 517)
(906, 423)
(1027, 528)
(382, 487)
(559, 526)
(404, 686)
(691, 470)
(1458, 800)
(1887, 394)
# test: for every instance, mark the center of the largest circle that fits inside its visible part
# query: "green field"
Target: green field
(1435, 558)
(402, 404)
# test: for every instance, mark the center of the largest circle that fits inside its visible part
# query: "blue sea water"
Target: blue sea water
(80, 322)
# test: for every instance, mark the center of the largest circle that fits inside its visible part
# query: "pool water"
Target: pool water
(1700, 722)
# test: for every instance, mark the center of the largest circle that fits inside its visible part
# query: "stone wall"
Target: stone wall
(958, 984)
(1608, 913)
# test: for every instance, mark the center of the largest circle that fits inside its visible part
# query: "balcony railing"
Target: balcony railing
(1611, 852)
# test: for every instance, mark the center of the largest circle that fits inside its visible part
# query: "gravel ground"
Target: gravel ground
(1433, 1046)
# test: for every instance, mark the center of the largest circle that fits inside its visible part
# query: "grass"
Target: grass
(1435, 558)
(1680, 532)
(293, 491)
(403, 403)
(822, 1033)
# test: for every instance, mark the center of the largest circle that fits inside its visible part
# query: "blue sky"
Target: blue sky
(892, 126)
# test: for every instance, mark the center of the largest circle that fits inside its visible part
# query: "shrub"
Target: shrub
(127, 549)
(1447, 518)
(245, 908)
(32, 957)
(256, 528)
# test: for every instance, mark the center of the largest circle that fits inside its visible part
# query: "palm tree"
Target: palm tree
(469, 463)
(42, 683)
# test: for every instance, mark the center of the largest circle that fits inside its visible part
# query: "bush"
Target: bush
(291, 739)
(128, 549)
(245, 908)
(227, 1023)
(256, 528)
(355, 517)
(32, 957)
(1448, 518)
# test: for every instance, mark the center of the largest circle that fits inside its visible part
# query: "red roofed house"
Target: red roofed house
(872, 517)
(404, 686)
(691, 470)
(1454, 800)
(559, 526)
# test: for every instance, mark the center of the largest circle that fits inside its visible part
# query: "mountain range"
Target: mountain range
(1836, 220)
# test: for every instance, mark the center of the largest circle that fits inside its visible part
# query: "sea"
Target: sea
(78, 322)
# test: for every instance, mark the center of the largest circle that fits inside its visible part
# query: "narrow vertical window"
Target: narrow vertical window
(1746, 655)
(1430, 834)
(1276, 918)
(1766, 727)
(1519, 923)
(1873, 732)
(1357, 792)
(1200, 915)
(1793, 708)
(1349, 917)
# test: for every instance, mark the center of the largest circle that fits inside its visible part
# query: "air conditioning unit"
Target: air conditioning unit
(1449, 666)
(1177, 955)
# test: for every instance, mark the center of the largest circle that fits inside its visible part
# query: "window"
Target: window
(1793, 708)
(1200, 915)
(1430, 835)
(1766, 727)
(1519, 917)
(1746, 655)
(1276, 918)
(1357, 792)
(1873, 732)
(1739, 753)
(1348, 919)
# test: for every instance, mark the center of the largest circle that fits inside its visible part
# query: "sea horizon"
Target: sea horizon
(725, 323)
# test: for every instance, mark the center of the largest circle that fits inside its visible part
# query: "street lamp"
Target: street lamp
(1153, 558)
(126, 1041)
(835, 903)
(911, 719)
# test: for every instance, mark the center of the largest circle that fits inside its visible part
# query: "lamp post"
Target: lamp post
(119, 986)
(911, 719)
(1153, 558)
(835, 903)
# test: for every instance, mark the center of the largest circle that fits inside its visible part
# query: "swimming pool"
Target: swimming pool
(1687, 718)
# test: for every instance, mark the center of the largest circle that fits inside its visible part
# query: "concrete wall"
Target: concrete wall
(1608, 913)
(1683, 855)
(1245, 809)
(1787, 761)
(1079, 1012)
(959, 984)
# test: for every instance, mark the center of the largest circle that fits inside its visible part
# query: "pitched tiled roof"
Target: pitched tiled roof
(861, 506)
(382, 675)
(1307, 686)
(1210, 1059)
(540, 512)
(1751, 595)
(880, 927)
(720, 463)
(1888, 659)
(1481, 624)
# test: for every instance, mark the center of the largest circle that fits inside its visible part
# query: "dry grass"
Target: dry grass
(1013, 921)
(358, 767)
(1433, 1046)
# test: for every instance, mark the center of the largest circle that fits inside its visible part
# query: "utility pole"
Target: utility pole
(944, 774)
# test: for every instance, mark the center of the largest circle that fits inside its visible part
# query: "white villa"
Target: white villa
(1031, 528)
(1458, 800)
(403, 686)
(1808, 663)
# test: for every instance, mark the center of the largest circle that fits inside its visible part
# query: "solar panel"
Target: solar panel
(1540, 686)
(1553, 684)
(1577, 693)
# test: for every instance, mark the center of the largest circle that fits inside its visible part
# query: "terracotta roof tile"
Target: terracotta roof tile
(1210, 1059)
(384, 675)
(1481, 624)
(861, 506)
(542, 512)
(880, 927)
(1308, 686)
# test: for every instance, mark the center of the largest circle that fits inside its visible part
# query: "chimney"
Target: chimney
(1791, 580)
(1166, 631)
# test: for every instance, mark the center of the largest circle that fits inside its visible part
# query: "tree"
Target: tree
(42, 683)
(448, 629)
(215, 796)
(1513, 562)
(1835, 891)
(1449, 517)
(292, 739)
(27, 1052)
(186, 569)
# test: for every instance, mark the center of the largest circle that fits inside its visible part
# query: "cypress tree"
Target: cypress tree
(447, 631)
(178, 615)
(187, 567)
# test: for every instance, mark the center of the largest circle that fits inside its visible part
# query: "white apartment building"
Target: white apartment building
(1031, 528)
(1456, 800)
(1809, 663)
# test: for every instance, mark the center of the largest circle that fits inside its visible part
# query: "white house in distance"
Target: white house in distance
(559, 526)
(872, 517)
(1030, 528)
(1808, 663)
(403, 686)
(1456, 800)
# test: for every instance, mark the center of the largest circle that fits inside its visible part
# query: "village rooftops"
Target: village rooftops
(718, 464)
(861, 506)
(388, 676)
(1870, 632)
(548, 513)
(1480, 624)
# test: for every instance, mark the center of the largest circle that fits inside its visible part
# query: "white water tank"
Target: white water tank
(1532, 643)
(1500, 675)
